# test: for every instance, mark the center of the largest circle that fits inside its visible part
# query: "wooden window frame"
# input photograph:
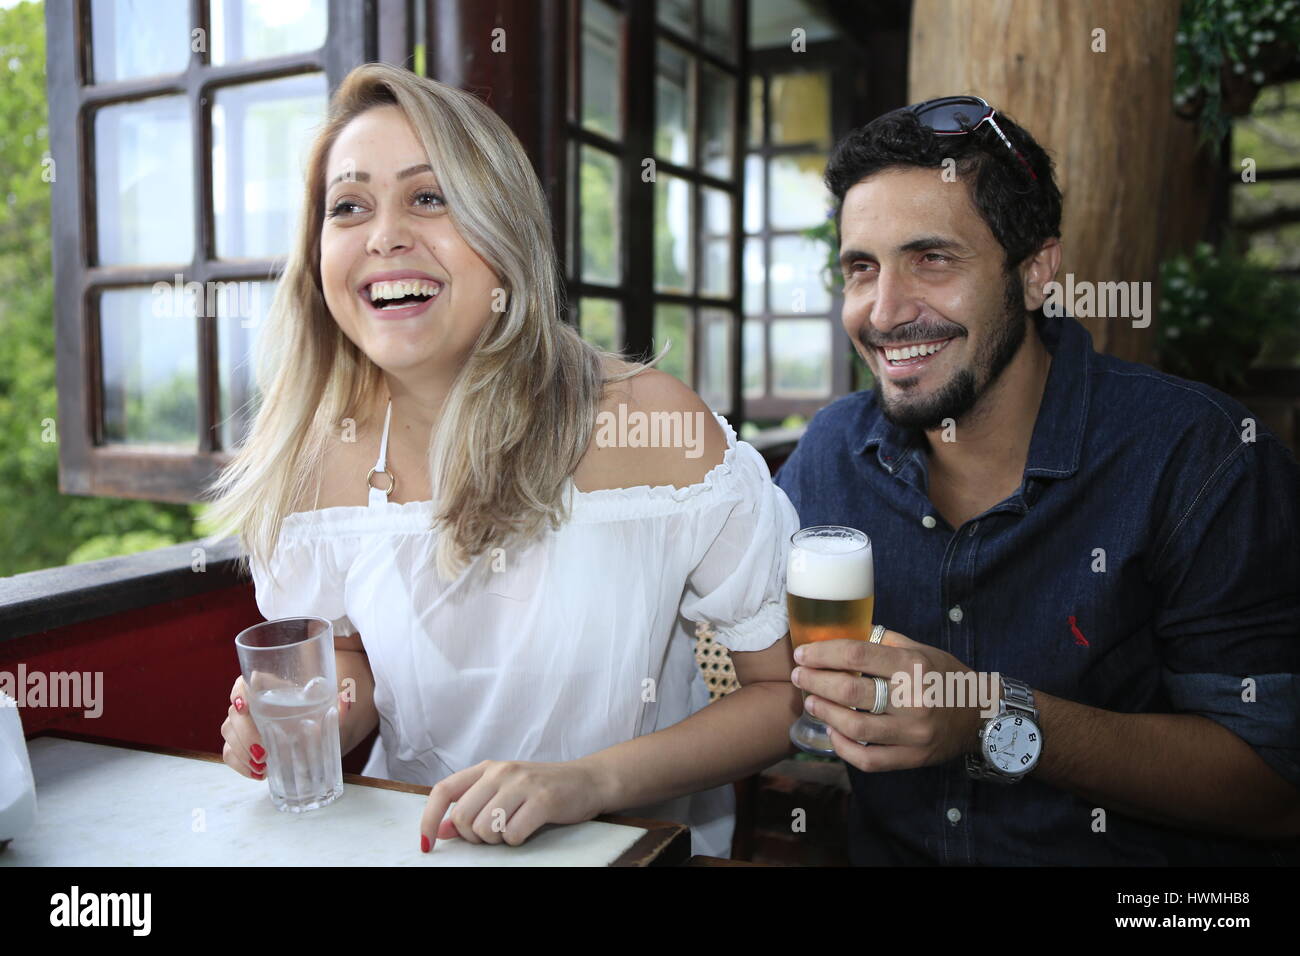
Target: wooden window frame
(636, 293)
(87, 465)
(831, 57)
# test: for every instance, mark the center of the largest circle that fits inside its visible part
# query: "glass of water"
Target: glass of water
(288, 666)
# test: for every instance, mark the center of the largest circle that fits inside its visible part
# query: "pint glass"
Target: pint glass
(830, 585)
(288, 667)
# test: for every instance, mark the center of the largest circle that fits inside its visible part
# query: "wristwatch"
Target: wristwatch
(1011, 742)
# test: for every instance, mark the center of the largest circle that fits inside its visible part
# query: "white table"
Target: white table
(117, 805)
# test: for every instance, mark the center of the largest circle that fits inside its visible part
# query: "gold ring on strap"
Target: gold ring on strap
(392, 481)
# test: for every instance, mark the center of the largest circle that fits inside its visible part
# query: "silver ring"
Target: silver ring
(877, 634)
(882, 695)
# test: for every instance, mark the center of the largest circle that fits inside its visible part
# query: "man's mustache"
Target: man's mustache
(914, 340)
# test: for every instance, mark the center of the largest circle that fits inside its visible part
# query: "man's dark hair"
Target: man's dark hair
(1022, 214)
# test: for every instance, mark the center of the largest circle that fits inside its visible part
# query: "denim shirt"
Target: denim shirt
(1149, 562)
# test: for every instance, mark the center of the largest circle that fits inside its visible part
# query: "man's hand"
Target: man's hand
(902, 737)
(507, 801)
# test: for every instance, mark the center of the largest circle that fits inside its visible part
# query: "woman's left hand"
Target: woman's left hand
(500, 801)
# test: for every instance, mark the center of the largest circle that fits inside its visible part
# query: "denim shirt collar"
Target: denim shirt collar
(1062, 414)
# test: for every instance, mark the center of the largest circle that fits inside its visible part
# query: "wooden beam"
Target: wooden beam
(1104, 117)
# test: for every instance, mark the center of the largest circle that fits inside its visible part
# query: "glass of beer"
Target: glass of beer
(831, 592)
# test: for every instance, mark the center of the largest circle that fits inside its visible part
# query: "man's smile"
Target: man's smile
(904, 361)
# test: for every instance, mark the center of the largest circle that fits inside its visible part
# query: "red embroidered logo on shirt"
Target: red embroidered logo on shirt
(1079, 639)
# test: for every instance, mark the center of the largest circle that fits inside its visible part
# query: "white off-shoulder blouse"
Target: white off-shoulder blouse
(581, 640)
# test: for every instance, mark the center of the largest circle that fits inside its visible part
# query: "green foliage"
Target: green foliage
(824, 234)
(1268, 139)
(109, 545)
(1217, 311)
(833, 278)
(599, 176)
(1225, 51)
(39, 527)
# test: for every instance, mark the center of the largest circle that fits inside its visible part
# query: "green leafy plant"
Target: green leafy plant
(1225, 51)
(39, 526)
(1217, 312)
(824, 234)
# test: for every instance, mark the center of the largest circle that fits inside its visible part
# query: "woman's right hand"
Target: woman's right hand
(244, 751)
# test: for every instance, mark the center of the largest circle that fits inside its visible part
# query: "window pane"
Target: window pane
(149, 352)
(715, 259)
(755, 272)
(715, 30)
(797, 268)
(131, 39)
(672, 105)
(260, 136)
(673, 328)
(717, 121)
(715, 359)
(772, 21)
(672, 234)
(801, 358)
(255, 29)
(755, 111)
(241, 315)
(755, 345)
(144, 182)
(797, 196)
(601, 321)
(754, 193)
(677, 14)
(801, 108)
(601, 261)
(601, 56)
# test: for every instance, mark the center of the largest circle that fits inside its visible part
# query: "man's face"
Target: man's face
(922, 268)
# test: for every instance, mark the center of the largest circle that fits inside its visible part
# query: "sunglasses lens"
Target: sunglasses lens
(953, 117)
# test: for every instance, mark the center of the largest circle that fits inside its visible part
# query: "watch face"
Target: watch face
(1012, 743)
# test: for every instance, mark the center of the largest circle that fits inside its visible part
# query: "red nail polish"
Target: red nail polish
(257, 752)
(258, 775)
(424, 843)
(258, 767)
(239, 704)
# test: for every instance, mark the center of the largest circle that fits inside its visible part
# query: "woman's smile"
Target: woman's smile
(400, 294)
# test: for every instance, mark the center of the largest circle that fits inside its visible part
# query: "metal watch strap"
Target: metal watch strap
(1017, 697)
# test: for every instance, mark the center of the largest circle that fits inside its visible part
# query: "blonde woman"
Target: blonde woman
(513, 589)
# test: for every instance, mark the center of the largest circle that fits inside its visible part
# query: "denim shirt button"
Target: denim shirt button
(954, 816)
(954, 613)
(929, 521)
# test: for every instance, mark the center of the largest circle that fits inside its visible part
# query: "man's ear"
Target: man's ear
(1038, 270)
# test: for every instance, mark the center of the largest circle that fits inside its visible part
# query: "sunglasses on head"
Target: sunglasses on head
(955, 115)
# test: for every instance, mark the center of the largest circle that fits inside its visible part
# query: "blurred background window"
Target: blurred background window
(655, 185)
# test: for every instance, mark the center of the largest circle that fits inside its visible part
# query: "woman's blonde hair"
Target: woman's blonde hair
(519, 415)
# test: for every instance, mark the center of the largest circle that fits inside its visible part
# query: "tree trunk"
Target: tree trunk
(1105, 118)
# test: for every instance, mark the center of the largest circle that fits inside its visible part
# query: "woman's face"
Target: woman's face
(398, 278)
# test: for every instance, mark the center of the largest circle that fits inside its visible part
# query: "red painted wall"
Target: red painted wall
(167, 671)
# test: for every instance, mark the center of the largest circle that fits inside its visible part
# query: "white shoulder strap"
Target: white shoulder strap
(378, 496)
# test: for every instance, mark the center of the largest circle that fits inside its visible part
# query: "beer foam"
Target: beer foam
(830, 569)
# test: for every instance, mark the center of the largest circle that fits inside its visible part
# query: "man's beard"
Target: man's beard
(959, 394)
